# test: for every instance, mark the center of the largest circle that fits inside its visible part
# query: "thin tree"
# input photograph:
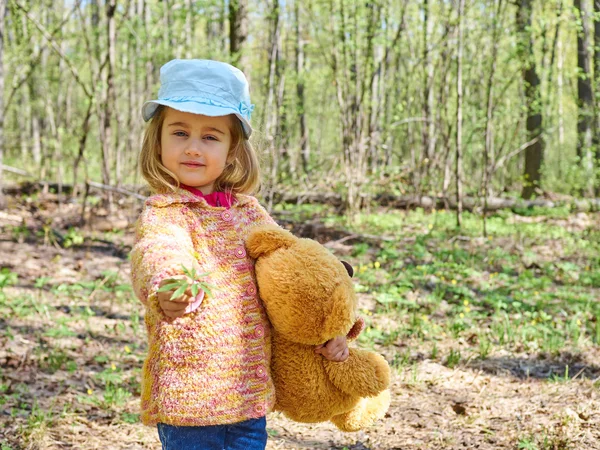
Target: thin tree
(488, 154)
(2, 14)
(238, 32)
(534, 151)
(585, 98)
(596, 137)
(304, 138)
(459, 112)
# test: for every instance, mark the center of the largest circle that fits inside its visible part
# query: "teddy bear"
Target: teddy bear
(309, 298)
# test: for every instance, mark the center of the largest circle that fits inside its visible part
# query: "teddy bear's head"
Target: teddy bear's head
(308, 292)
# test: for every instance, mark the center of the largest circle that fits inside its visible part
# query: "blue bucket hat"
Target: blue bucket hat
(202, 86)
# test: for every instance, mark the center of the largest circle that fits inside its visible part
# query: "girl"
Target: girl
(206, 381)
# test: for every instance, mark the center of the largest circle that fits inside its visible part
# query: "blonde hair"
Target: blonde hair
(240, 176)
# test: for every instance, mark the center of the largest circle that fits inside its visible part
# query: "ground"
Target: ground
(493, 341)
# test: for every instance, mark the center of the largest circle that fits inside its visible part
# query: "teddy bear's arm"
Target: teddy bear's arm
(364, 373)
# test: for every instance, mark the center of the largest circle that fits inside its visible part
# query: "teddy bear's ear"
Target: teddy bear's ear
(266, 239)
(349, 268)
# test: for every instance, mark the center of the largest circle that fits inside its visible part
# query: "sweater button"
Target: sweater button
(259, 408)
(251, 289)
(226, 216)
(240, 252)
(259, 331)
(261, 372)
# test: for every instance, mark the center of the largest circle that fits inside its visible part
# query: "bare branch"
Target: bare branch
(55, 47)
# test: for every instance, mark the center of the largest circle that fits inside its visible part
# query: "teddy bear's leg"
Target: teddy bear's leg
(365, 414)
(363, 374)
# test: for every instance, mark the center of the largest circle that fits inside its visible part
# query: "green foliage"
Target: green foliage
(454, 357)
(57, 359)
(73, 237)
(7, 277)
(500, 292)
(179, 286)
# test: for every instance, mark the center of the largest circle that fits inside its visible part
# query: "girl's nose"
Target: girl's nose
(194, 146)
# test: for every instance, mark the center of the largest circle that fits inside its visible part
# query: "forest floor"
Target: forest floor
(494, 342)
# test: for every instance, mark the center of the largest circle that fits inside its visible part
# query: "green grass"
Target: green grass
(439, 282)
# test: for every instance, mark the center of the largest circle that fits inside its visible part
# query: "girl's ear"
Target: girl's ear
(268, 238)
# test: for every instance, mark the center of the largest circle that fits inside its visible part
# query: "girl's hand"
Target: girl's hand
(178, 306)
(335, 349)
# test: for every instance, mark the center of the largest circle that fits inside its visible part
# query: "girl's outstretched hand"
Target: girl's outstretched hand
(335, 349)
(178, 306)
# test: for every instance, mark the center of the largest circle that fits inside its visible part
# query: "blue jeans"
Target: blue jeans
(248, 435)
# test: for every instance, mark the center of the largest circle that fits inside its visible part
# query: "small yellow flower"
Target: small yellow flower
(430, 226)
(461, 315)
(127, 349)
(536, 293)
(113, 367)
(370, 265)
(533, 322)
(467, 310)
(578, 322)
(370, 313)
(90, 392)
(443, 279)
(466, 303)
(377, 264)
(454, 282)
(424, 318)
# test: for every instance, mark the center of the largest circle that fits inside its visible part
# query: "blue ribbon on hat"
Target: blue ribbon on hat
(245, 110)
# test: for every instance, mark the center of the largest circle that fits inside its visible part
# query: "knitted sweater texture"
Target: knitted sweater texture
(210, 366)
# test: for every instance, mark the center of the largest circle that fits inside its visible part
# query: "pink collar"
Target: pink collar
(219, 199)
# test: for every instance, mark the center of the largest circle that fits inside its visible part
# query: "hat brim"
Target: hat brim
(149, 109)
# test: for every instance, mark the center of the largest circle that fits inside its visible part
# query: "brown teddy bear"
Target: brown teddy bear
(309, 298)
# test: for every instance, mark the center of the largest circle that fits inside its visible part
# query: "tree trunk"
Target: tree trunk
(189, 29)
(238, 32)
(596, 126)
(270, 110)
(585, 99)
(304, 138)
(459, 112)
(2, 14)
(106, 123)
(488, 154)
(428, 100)
(561, 110)
(534, 153)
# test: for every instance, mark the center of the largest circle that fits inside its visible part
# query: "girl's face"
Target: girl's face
(195, 147)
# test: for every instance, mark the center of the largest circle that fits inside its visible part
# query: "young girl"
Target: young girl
(206, 380)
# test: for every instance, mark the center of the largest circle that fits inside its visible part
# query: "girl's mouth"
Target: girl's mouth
(192, 164)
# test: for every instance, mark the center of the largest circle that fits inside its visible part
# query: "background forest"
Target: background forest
(354, 97)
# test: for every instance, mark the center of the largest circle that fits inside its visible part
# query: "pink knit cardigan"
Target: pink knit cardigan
(210, 366)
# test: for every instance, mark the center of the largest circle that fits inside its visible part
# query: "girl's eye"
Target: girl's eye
(210, 138)
(180, 133)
